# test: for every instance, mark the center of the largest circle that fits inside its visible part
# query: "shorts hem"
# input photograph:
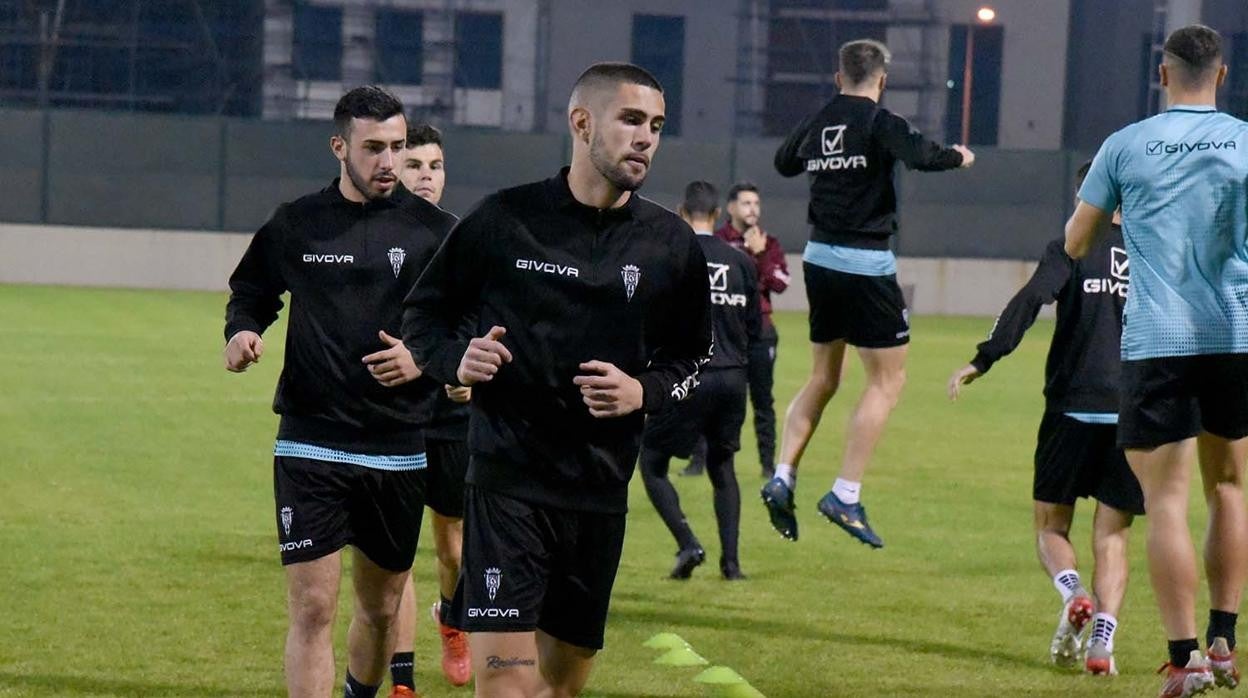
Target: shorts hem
(594, 643)
(310, 554)
(880, 344)
(1149, 442)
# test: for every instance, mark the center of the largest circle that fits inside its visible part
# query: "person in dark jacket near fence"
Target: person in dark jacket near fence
(592, 306)
(850, 148)
(350, 443)
(1076, 450)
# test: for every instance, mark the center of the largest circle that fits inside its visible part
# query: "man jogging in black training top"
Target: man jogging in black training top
(350, 442)
(592, 307)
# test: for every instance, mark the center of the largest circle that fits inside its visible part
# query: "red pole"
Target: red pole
(966, 83)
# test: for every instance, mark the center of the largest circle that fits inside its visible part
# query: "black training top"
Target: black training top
(849, 148)
(735, 313)
(571, 284)
(1081, 374)
(348, 267)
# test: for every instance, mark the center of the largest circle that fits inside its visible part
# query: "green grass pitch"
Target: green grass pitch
(140, 559)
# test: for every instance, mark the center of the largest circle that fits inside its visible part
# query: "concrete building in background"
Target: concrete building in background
(738, 68)
(1051, 74)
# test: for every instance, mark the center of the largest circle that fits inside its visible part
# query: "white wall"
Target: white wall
(584, 32)
(79, 256)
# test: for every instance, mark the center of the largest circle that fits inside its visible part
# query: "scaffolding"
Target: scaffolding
(138, 55)
(787, 48)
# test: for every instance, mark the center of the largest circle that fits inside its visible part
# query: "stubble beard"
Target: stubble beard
(365, 186)
(612, 170)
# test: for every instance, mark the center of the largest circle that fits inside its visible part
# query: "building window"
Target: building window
(400, 47)
(987, 44)
(317, 42)
(659, 47)
(802, 58)
(479, 50)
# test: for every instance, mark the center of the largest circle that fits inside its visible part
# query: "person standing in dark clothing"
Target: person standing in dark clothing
(716, 411)
(743, 232)
(350, 443)
(592, 308)
(849, 149)
(1076, 452)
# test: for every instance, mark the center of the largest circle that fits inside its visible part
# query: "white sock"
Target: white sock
(847, 490)
(784, 471)
(1067, 582)
(1103, 627)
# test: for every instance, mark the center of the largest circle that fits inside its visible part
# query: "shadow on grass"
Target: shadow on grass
(949, 650)
(78, 685)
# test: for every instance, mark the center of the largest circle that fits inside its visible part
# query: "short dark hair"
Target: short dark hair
(423, 134)
(739, 187)
(610, 74)
(862, 58)
(701, 199)
(365, 102)
(1081, 174)
(1194, 53)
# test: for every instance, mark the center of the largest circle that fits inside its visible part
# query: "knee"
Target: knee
(312, 610)
(1231, 489)
(1052, 521)
(824, 385)
(379, 611)
(1049, 529)
(892, 384)
(449, 555)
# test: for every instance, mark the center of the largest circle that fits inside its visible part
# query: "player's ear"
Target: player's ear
(338, 146)
(1222, 75)
(580, 120)
(1163, 75)
(837, 78)
(714, 216)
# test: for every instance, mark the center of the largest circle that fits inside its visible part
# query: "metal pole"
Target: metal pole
(967, 76)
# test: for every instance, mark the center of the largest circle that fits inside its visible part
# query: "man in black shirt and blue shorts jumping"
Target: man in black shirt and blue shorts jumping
(850, 149)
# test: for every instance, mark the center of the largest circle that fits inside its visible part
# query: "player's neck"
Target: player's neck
(871, 93)
(700, 225)
(1192, 98)
(589, 187)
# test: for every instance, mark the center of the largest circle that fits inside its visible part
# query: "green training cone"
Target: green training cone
(737, 690)
(665, 641)
(719, 676)
(681, 656)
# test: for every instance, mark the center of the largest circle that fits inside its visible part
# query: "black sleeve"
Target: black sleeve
(913, 148)
(436, 311)
(682, 339)
(1050, 277)
(257, 284)
(787, 161)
